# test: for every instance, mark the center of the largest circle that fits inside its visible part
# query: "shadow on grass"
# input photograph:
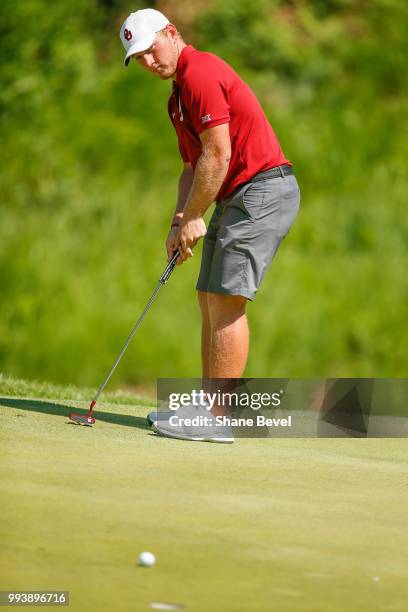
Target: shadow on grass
(63, 410)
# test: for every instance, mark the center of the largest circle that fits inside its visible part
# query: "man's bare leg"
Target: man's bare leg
(225, 338)
(205, 334)
(224, 335)
(229, 335)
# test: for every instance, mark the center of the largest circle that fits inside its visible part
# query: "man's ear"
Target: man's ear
(171, 31)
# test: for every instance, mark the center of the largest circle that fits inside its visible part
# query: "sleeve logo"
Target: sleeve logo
(205, 118)
(127, 34)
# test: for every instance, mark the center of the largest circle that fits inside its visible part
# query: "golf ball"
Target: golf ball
(147, 559)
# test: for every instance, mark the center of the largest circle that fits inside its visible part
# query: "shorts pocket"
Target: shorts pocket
(290, 188)
(253, 198)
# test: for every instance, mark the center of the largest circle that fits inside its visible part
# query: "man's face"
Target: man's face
(161, 58)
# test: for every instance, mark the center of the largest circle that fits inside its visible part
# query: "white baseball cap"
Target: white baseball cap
(138, 30)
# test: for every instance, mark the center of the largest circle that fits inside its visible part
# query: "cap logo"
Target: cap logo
(127, 34)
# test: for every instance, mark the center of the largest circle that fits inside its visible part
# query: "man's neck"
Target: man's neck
(180, 46)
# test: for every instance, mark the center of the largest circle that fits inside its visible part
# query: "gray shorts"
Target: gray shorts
(244, 234)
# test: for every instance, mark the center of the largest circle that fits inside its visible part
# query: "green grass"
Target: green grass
(287, 525)
(10, 386)
(88, 186)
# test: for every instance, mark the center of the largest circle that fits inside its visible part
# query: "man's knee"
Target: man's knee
(225, 307)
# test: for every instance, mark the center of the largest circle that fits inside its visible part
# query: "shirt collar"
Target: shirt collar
(182, 61)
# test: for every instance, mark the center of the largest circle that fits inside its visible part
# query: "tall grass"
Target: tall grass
(88, 180)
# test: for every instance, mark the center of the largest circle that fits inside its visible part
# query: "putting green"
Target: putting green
(285, 525)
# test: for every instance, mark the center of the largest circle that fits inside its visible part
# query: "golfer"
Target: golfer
(232, 156)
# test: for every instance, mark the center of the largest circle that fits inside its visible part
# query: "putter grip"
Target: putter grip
(169, 268)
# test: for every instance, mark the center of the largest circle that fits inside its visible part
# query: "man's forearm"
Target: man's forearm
(209, 174)
(184, 186)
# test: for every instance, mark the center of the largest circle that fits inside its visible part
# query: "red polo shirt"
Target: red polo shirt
(208, 92)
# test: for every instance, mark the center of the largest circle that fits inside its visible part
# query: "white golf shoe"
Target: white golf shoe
(195, 423)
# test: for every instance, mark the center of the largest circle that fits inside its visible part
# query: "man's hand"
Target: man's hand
(171, 242)
(189, 233)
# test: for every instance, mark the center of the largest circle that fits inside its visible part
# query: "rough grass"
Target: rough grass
(88, 189)
(10, 386)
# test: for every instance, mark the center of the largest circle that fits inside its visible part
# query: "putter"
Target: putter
(88, 419)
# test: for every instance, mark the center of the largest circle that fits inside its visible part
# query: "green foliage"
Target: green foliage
(88, 177)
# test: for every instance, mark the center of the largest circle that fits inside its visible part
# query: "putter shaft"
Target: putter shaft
(162, 281)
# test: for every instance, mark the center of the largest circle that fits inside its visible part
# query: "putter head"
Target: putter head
(82, 419)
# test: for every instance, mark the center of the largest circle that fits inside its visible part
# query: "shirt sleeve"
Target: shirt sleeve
(206, 98)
